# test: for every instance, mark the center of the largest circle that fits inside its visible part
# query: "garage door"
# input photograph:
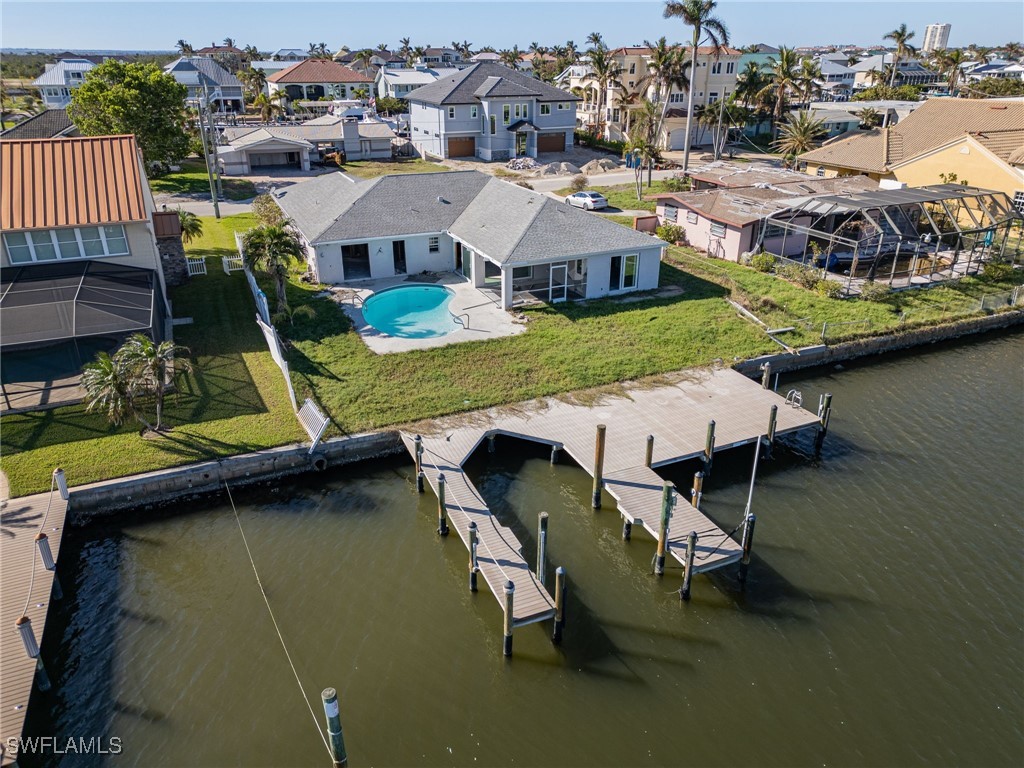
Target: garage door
(461, 147)
(551, 142)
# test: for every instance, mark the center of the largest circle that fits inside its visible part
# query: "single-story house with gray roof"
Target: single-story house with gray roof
(501, 237)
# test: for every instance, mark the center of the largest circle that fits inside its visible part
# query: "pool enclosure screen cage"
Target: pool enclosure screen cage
(46, 303)
(902, 237)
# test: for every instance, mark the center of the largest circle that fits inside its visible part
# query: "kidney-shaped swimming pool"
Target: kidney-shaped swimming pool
(412, 311)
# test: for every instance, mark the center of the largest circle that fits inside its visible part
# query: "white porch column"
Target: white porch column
(506, 287)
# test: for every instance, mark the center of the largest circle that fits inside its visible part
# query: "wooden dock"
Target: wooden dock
(677, 415)
(20, 567)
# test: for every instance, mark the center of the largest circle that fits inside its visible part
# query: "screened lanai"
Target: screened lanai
(903, 237)
(55, 317)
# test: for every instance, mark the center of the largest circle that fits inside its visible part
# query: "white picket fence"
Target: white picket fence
(196, 266)
(274, 344)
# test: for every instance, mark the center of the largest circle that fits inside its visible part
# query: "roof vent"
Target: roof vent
(441, 199)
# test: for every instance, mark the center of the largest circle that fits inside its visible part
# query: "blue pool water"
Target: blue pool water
(410, 311)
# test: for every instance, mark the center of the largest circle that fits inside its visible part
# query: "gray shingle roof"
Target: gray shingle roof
(462, 88)
(496, 87)
(513, 225)
(46, 125)
(190, 70)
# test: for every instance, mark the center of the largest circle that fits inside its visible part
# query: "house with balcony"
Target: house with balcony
(59, 79)
(398, 83)
(289, 54)
(81, 267)
(909, 71)
(441, 57)
(492, 112)
(317, 79)
(208, 82)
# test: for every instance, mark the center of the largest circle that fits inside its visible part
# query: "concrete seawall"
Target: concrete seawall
(192, 481)
(810, 357)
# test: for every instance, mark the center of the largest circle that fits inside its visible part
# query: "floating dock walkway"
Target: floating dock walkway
(705, 412)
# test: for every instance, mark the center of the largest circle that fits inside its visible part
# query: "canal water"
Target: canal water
(881, 623)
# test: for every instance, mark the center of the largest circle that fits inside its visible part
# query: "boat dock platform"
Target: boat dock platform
(24, 576)
(706, 409)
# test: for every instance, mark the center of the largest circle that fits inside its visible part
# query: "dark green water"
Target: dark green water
(881, 625)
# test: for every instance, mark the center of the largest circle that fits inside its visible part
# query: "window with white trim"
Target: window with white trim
(434, 244)
(632, 68)
(451, 113)
(629, 270)
(671, 213)
(561, 105)
(473, 111)
(712, 97)
(506, 114)
(691, 217)
(545, 109)
(1018, 201)
(716, 68)
(526, 111)
(68, 243)
(522, 273)
(717, 229)
(730, 67)
(821, 171)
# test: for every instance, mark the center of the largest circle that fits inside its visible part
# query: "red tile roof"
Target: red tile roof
(81, 181)
(319, 71)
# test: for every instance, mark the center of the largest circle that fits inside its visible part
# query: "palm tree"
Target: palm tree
(852, 59)
(594, 40)
(799, 134)
(109, 387)
(251, 53)
(417, 54)
(465, 48)
(184, 48)
(950, 66)
(1012, 50)
(750, 82)
(869, 117)
(318, 50)
(361, 93)
(604, 73)
(266, 107)
(697, 14)
(254, 80)
(272, 249)
(229, 42)
(364, 59)
(572, 53)
(642, 149)
(405, 49)
(808, 80)
(382, 47)
(149, 364)
(511, 57)
(668, 67)
(191, 225)
(901, 37)
(537, 49)
(783, 80)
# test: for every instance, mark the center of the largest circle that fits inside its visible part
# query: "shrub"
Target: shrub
(672, 233)
(875, 292)
(525, 184)
(579, 182)
(829, 288)
(267, 211)
(762, 262)
(803, 276)
(997, 270)
(676, 184)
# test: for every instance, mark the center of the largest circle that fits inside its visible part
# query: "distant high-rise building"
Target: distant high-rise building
(935, 37)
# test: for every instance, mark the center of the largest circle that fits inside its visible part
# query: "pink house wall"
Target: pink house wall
(729, 247)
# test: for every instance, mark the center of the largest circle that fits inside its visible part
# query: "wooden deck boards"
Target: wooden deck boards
(677, 415)
(19, 523)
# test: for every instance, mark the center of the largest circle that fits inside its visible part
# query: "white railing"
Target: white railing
(274, 344)
(196, 266)
(232, 264)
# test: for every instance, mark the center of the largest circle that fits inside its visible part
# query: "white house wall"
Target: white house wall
(418, 257)
(599, 269)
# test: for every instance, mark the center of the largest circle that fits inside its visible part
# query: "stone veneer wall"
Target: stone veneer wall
(172, 258)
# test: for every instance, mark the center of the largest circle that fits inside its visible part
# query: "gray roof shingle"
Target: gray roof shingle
(46, 125)
(190, 70)
(462, 88)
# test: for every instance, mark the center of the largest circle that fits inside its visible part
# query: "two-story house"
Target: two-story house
(59, 79)
(315, 79)
(208, 82)
(399, 83)
(441, 57)
(492, 112)
(82, 265)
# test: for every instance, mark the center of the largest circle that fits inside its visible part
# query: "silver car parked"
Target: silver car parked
(588, 201)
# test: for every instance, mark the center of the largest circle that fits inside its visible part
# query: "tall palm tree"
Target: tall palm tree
(191, 225)
(799, 134)
(868, 116)
(537, 49)
(151, 365)
(645, 152)
(184, 47)
(808, 80)
(364, 59)
(272, 249)
(604, 73)
(229, 42)
(571, 51)
(362, 93)
(318, 50)
(405, 48)
(750, 82)
(108, 386)
(266, 107)
(667, 69)
(382, 47)
(251, 53)
(595, 40)
(254, 81)
(417, 53)
(901, 36)
(783, 80)
(950, 67)
(510, 57)
(698, 14)
(465, 49)
(1012, 50)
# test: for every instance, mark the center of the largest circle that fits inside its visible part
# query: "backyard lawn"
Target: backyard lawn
(369, 169)
(193, 180)
(623, 196)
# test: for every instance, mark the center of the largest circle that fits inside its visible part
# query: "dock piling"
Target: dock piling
(490, 443)
(510, 589)
(698, 489)
(650, 451)
(333, 713)
(773, 417)
(666, 513)
(555, 449)
(420, 478)
(766, 375)
(748, 544)
(46, 555)
(556, 633)
(709, 448)
(442, 517)
(542, 547)
(824, 414)
(691, 549)
(28, 639)
(599, 465)
(474, 566)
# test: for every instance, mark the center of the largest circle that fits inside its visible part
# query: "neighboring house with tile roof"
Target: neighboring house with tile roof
(972, 138)
(59, 79)
(48, 124)
(208, 80)
(492, 112)
(499, 236)
(315, 79)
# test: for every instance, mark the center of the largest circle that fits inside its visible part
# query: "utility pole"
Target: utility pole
(206, 157)
(213, 136)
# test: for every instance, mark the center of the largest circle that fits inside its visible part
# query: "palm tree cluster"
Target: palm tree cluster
(272, 249)
(318, 51)
(800, 133)
(119, 384)
(901, 37)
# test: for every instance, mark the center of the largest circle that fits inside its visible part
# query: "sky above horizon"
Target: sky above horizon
(158, 24)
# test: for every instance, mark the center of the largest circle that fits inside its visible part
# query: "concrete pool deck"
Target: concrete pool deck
(480, 313)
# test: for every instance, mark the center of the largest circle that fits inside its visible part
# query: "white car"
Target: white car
(588, 201)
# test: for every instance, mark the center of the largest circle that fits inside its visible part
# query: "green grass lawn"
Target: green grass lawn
(234, 401)
(369, 169)
(622, 196)
(193, 180)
